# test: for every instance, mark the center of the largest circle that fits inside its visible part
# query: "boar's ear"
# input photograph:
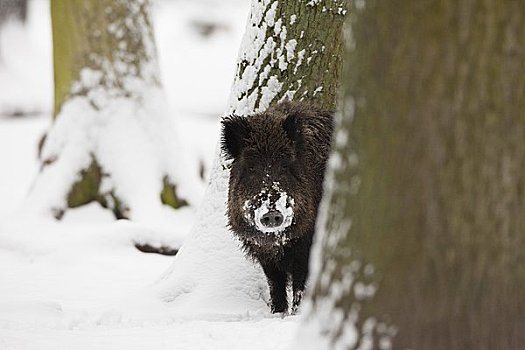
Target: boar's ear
(293, 127)
(235, 131)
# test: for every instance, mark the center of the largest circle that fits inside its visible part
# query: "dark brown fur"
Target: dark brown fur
(288, 144)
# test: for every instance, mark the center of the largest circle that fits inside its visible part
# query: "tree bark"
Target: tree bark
(13, 9)
(291, 50)
(104, 52)
(423, 240)
(93, 34)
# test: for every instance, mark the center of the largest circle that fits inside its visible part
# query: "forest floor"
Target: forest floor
(80, 283)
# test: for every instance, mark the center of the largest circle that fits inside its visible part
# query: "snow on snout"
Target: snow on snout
(284, 205)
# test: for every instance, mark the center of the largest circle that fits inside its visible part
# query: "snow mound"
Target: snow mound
(210, 274)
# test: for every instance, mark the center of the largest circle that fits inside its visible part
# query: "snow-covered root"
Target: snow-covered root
(133, 141)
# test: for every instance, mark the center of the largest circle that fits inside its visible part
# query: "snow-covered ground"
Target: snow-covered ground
(80, 283)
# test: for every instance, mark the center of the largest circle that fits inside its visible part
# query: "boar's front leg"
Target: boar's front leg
(277, 283)
(300, 272)
(298, 284)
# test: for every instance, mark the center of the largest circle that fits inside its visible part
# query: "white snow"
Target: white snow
(80, 283)
(318, 90)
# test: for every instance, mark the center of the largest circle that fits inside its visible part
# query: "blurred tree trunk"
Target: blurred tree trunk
(290, 50)
(15, 9)
(12, 9)
(423, 234)
(104, 53)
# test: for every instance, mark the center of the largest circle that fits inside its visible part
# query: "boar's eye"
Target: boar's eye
(247, 171)
(292, 127)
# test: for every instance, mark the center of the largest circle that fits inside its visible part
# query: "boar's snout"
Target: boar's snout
(272, 219)
(271, 210)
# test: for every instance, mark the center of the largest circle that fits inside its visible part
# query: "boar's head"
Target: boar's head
(273, 192)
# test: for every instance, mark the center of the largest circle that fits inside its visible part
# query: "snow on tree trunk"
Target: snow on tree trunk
(291, 50)
(111, 140)
(423, 235)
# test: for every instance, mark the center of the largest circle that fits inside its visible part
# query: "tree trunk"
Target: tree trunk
(423, 239)
(13, 9)
(291, 50)
(9, 10)
(110, 139)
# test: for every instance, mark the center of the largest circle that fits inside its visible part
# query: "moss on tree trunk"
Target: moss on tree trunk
(426, 211)
(169, 196)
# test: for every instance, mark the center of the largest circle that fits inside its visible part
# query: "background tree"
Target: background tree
(424, 232)
(111, 140)
(291, 50)
(13, 9)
